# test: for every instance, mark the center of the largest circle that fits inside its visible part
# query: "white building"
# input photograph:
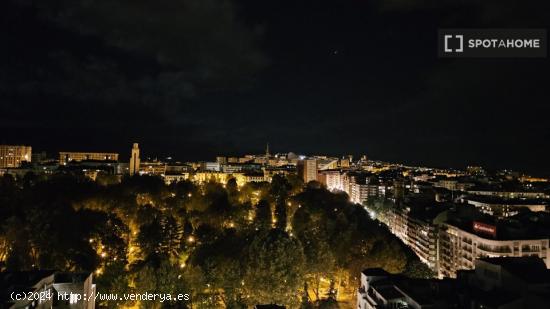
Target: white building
(419, 231)
(460, 248)
(359, 193)
(332, 180)
(210, 166)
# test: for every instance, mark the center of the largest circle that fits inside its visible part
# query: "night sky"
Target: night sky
(197, 78)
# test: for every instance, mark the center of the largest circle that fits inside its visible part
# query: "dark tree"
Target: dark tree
(274, 269)
(281, 215)
(264, 217)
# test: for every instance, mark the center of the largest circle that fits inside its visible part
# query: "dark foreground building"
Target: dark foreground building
(47, 289)
(496, 283)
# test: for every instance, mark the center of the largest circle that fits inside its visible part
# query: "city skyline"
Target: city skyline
(274, 154)
(319, 216)
(343, 81)
(168, 157)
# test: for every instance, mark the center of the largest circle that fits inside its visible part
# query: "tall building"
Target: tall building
(67, 157)
(418, 227)
(13, 156)
(307, 170)
(134, 160)
(332, 179)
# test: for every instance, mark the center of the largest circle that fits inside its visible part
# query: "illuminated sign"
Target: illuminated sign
(485, 228)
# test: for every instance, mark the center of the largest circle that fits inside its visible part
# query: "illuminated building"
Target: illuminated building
(344, 163)
(202, 177)
(332, 179)
(13, 156)
(210, 166)
(221, 160)
(247, 158)
(448, 237)
(359, 193)
(254, 177)
(175, 178)
(417, 227)
(503, 208)
(327, 164)
(241, 167)
(67, 157)
(510, 194)
(532, 179)
(178, 168)
(461, 246)
(307, 169)
(134, 166)
(152, 168)
(450, 185)
(232, 160)
(223, 178)
(358, 187)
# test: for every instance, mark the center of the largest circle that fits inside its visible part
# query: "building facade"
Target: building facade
(332, 180)
(154, 168)
(418, 232)
(502, 208)
(68, 157)
(307, 169)
(496, 283)
(12, 156)
(460, 248)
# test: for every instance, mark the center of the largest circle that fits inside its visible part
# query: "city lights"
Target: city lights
(275, 155)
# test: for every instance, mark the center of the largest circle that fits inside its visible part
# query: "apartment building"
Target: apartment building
(461, 246)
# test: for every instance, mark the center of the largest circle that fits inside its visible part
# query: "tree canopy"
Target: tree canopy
(231, 246)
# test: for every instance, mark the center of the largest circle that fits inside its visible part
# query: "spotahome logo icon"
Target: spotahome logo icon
(460, 47)
(474, 43)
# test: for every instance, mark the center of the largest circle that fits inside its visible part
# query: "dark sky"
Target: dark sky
(197, 78)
